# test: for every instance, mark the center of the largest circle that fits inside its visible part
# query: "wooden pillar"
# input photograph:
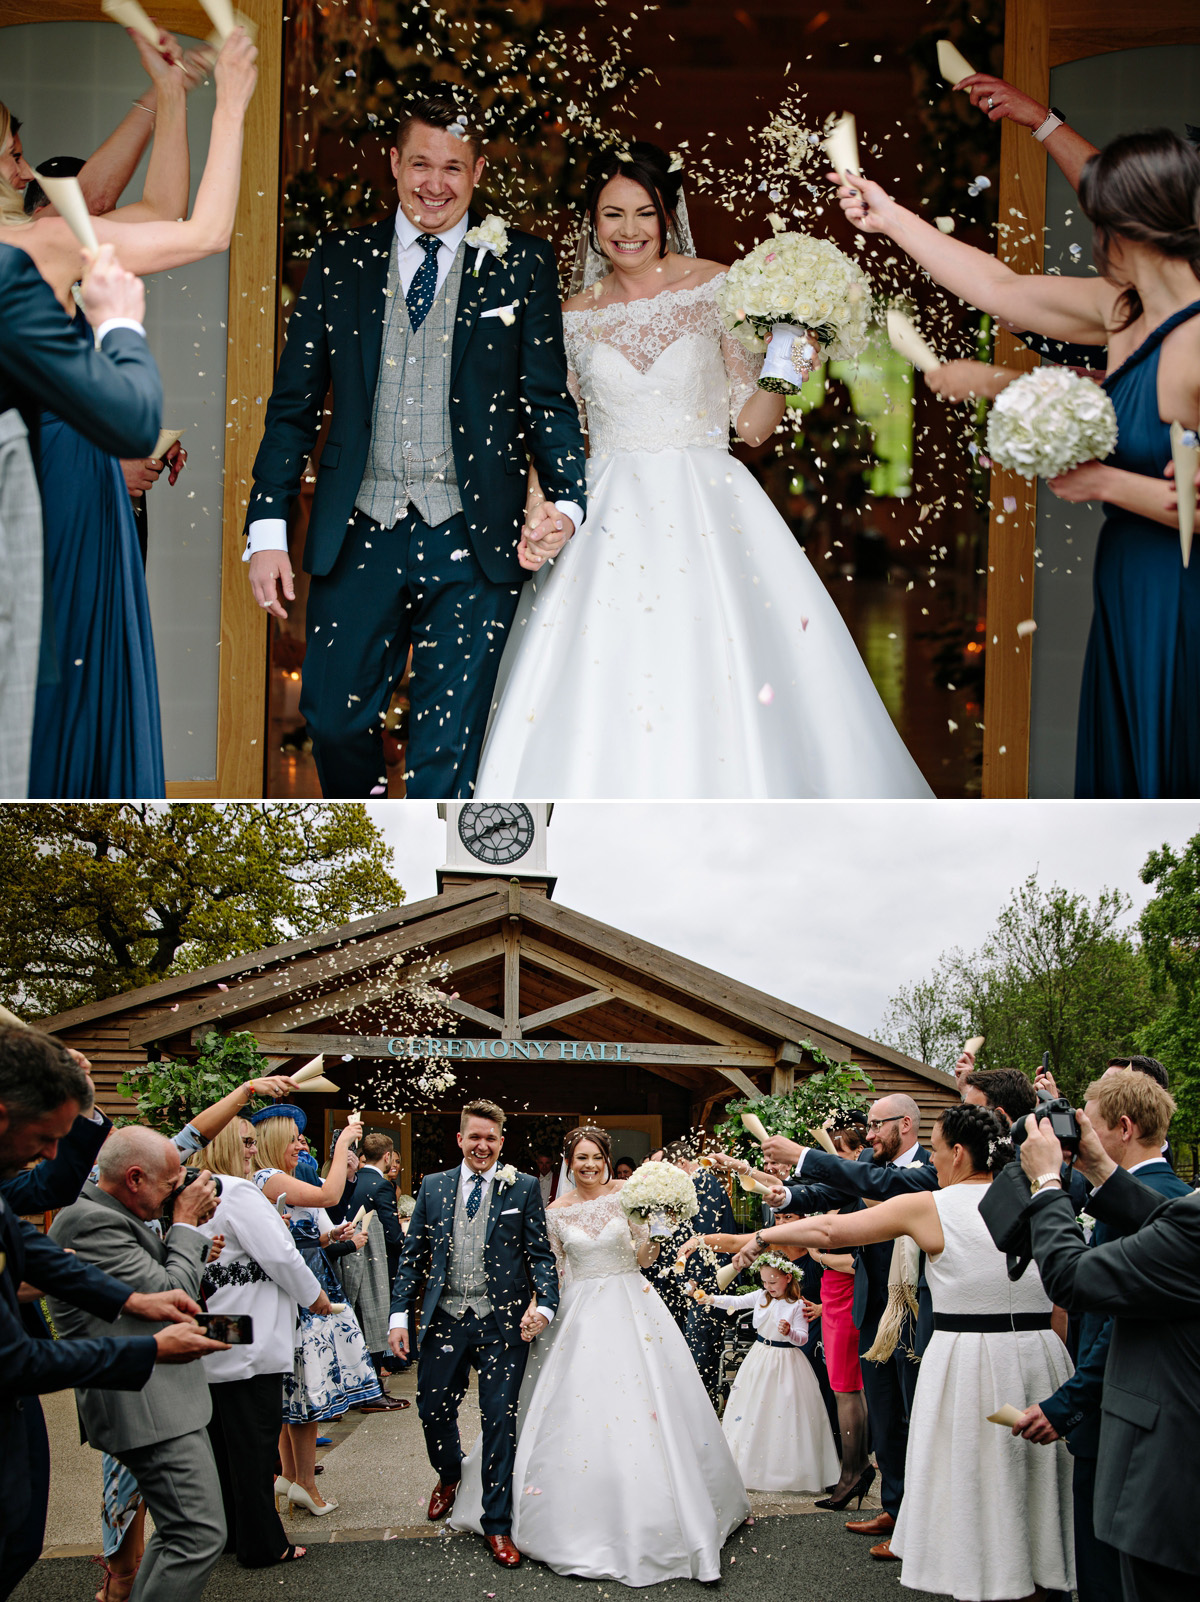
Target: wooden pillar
(1012, 533)
(783, 1079)
(512, 982)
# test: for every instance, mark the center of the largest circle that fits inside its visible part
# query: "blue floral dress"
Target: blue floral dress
(332, 1369)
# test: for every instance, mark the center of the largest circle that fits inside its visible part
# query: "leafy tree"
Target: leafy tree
(1057, 974)
(101, 898)
(170, 1094)
(1170, 930)
(833, 1087)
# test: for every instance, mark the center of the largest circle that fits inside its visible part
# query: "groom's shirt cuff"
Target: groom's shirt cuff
(266, 534)
(546, 1312)
(575, 513)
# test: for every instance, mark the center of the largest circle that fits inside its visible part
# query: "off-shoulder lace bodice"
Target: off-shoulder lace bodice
(592, 1239)
(658, 374)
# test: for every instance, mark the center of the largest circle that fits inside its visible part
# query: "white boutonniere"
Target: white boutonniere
(490, 235)
(506, 1176)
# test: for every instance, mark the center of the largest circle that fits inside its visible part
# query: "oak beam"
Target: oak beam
(565, 1009)
(512, 975)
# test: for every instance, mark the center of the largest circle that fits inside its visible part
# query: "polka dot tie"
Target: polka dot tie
(476, 1179)
(423, 289)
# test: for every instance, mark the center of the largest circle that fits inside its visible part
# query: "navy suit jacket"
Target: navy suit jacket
(828, 1182)
(508, 394)
(57, 1181)
(112, 396)
(379, 1193)
(1074, 1409)
(517, 1251)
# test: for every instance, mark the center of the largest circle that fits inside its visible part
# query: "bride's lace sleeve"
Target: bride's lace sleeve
(571, 345)
(742, 368)
(556, 1246)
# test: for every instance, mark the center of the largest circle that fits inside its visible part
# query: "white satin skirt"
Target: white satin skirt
(682, 647)
(622, 1471)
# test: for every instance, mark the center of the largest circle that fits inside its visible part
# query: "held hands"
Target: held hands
(108, 290)
(1035, 1426)
(270, 574)
(162, 1307)
(532, 1322)
(544, 533)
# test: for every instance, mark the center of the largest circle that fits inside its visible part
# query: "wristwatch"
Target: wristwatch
(1051, 1178)
(1054, 120)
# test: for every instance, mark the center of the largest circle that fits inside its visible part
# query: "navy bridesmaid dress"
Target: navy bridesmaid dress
(96, 732)
(1139, 711)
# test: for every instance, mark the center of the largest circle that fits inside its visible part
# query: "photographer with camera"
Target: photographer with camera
(1130, 1114)
(1144, 1273)
(160, 1432)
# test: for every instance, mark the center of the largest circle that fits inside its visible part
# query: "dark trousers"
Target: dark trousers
(1097, 1566)
(450, 1348)
(21, 1539)
(1144, 1581)
(389, 589)
(889, 1388)
(705, 1337)
(244, 1431)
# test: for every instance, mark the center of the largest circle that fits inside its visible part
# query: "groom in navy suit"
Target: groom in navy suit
(449, 376)
(478, 1239)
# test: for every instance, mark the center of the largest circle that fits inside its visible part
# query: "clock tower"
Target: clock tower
(495, 840)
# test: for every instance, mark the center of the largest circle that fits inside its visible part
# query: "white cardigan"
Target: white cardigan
(769, 1313)
(255, 1235)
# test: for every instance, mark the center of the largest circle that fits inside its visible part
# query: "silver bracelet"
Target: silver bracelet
(150, 111)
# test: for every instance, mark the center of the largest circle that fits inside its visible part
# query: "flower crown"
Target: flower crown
(779, 1261)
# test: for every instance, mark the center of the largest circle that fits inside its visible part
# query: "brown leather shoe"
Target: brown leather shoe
(442, 1500)
(881, 1524)
(884, 1552)
(385, 1404)
(503, 1551)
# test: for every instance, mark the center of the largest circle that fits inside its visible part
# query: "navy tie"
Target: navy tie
(476, 1179)
(421, 295)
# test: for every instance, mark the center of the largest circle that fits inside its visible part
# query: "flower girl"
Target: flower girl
(775, 1421)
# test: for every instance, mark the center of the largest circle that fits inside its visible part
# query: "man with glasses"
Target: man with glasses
(896, 1163)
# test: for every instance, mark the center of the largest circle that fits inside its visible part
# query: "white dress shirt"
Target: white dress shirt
(466, 1181)
(255, 1233)
(270, 533)
(110, 323)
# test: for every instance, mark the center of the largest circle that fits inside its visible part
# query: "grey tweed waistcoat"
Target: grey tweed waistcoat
(411, 460)
(466, 1273)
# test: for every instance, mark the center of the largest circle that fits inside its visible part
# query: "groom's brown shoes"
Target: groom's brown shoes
(442, 1499)
(503, 1551)
(881, 1524)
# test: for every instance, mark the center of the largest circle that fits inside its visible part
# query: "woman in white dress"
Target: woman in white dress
(622, 1472)
(992, 1344)
(680, 645)
(775, 1420)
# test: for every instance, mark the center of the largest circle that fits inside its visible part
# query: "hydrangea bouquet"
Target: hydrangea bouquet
(1048, 421)
(790, 283)
(662, 1194)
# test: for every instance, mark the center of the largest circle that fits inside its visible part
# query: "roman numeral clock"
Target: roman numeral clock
(495, 839)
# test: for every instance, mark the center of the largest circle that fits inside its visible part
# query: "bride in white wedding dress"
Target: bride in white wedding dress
(622, 1470)
(680, 645)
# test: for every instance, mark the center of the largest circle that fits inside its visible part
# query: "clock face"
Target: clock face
(497, 832)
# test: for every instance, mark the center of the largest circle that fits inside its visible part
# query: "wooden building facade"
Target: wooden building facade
(551, 1013)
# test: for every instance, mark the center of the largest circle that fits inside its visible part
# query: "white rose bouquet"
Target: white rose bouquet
(1048, 421)
(661, 1193)
(796, 282)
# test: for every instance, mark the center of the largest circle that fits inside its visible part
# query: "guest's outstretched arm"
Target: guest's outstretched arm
(1076, 309)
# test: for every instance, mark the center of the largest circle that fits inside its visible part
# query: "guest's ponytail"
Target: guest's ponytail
(980, 1133)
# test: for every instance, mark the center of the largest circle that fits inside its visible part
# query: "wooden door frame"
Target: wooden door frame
(1038, 36)
(249, 375)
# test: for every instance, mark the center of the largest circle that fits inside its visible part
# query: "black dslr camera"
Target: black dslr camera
(1060, 1113)
(190, 1176)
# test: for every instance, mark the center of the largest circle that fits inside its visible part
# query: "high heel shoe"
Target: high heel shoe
(299, 1495)
(282, 1487)
(859, 1489)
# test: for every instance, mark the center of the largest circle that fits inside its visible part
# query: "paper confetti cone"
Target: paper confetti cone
(974, 1044)
(1006, 1415)
(905, 339)
(753, 1126)
(128, 14)
(65, 195)
(952, 64)
(1185, 453)
(166, 438)
(220, 14)
(841, 145)
(726, 1276)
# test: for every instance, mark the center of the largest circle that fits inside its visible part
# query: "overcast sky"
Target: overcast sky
(831, 906)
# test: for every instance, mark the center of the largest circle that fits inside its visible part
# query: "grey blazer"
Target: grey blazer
(175, 1401)
(1149, 1280)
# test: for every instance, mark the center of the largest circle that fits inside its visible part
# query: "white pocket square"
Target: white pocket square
(506, 314)
(508, 1211)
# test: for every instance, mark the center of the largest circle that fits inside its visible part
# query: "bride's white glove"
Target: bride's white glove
(791, 354)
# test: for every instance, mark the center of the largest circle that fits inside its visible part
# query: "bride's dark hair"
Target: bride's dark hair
(1143, 187)
(648, 166)
(598, 1137)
